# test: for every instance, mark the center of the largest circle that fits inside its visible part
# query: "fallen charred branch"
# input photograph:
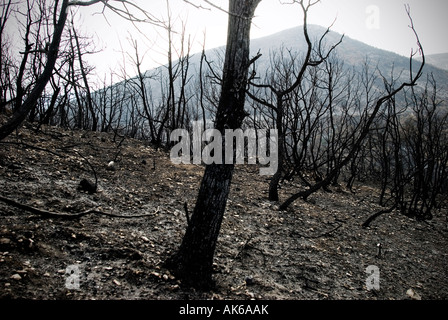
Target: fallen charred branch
(50, 214)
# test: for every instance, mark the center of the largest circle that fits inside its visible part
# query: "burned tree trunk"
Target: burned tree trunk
(193, 261)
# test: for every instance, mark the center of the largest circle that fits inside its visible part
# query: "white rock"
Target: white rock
(111, 166)
(16, 276)
(413, 295)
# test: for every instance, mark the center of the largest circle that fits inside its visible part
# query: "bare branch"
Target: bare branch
(83, 3)
(216, 7)
(44, 51)
(197, 6)
(52, 214)
(419, 45)
(215, 75)
(252, 61)
(262, 101)
(124, 12)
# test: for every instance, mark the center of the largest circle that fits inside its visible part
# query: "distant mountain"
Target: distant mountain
(352, 52)
(438, 60)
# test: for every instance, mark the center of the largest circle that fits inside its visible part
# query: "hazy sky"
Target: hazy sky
(381, 23)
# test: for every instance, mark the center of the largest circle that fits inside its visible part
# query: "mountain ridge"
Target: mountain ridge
(353, 53)
(439, 60)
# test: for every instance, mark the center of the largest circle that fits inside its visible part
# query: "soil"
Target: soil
(314, 250)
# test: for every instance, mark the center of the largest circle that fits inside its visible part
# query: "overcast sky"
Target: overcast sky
(380, 23)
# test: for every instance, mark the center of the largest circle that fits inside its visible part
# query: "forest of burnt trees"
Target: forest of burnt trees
(336, 125)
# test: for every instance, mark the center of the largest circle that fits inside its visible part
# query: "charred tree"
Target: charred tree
(84, 72)
(22, 112)
(313, 58)
(59, 19)
(193, 261)
(360, 136)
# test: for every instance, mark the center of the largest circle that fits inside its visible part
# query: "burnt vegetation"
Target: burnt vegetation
(350, 139)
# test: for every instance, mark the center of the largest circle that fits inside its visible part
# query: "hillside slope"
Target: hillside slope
(438, 60)
(314, 250)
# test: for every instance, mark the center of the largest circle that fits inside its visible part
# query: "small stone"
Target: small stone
(111, 166)
(413, 294)
(5, 241)
(117, 282)
(16, 276)
(175, 287)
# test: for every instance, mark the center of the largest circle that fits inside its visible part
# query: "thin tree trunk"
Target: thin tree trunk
(49, 112)
(86, 82)
(194, 259)
(273, 184)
